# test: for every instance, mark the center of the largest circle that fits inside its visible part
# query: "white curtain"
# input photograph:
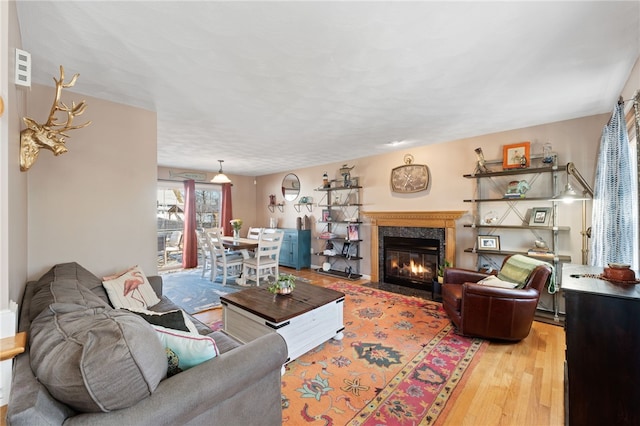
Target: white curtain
(614, 222)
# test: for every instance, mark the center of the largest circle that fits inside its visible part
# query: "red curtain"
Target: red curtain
(227, 211)
(190, 242)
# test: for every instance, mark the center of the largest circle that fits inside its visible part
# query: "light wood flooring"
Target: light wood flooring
(512, 384)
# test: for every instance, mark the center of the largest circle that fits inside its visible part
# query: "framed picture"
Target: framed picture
(326, 215)
(516, 156)
(353, 233)
(540, 216)
(488, 242)
(345, 249)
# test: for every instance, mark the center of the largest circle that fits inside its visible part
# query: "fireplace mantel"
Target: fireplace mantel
(422, 219)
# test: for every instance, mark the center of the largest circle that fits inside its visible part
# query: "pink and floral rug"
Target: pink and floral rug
(399, 363)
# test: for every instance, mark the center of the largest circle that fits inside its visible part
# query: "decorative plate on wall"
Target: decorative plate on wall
(410, 177)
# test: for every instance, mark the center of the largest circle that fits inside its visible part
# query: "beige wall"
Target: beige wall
(573, 140)
(95, 204)
(13, 183)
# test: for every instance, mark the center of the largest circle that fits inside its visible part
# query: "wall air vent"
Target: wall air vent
(23, 68)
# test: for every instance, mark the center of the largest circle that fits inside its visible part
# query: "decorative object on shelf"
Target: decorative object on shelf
(353, 232)
(272, 199)
(481, 166)
(490, 218)
(283, 285)
(326, 215)
(488, 242)
(410, 177)
(273, 222)
(236, 224)
(290, 187)
(517, 189)
(345, 171)
(345, 249)
(50, 135)
(516, 156)
(325, 180)
(220, 177)
(547, 153)
(540, 216)
(336, 200)
(326, 266)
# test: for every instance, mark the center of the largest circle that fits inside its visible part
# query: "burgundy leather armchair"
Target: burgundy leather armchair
(492, 312)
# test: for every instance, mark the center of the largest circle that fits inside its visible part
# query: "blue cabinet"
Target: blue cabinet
(296, 248)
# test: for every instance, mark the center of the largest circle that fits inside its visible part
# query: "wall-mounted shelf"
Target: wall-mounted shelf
(272, 207)
(298, 206)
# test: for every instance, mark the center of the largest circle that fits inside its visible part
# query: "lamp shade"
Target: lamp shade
(220, 177)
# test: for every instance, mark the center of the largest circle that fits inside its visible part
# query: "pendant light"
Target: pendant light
(220, 177)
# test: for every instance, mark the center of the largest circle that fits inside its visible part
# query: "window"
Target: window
(170, 212)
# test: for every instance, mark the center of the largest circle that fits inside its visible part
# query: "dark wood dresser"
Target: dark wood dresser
(603, 348)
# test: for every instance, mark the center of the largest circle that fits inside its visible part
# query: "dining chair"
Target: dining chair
(228, 264)
(267, 256)
(205, 251)
(173, 245)
(254, 233)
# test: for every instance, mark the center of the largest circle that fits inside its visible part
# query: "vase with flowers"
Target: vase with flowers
(236, 224)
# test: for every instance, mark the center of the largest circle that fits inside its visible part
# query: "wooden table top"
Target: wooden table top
(239, 244)
(278, 308)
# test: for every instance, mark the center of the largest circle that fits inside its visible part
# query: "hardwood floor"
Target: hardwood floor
(512, 384)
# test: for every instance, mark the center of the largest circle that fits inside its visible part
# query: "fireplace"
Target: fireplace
(411, 262)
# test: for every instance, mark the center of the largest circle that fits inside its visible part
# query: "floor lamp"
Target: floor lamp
(569, 195)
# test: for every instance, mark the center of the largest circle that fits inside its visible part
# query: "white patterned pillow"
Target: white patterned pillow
(186, 349)
(493, 281)
(130, 290)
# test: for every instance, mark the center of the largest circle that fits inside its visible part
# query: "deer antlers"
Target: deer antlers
(50, 135)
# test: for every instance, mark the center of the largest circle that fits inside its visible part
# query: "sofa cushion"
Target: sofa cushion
(130, 289)
(176, 319)
(63, 290)
(186, 348)
(95, 358)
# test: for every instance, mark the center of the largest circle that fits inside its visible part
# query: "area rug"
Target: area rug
(194, 293)
(399, 363)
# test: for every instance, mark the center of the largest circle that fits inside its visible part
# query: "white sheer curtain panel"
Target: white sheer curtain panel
(614, 219)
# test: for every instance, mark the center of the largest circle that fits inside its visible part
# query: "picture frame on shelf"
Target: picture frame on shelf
(516, 155)
(540, 216)
(326, 215)
(345, 249)
(488, 242)
(353, 233)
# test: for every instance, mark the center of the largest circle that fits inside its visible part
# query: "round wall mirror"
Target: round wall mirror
(290, 187)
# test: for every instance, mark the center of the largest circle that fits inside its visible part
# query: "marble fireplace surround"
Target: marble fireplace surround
(422, 219)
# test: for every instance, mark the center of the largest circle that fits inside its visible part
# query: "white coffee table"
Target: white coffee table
(309, 316)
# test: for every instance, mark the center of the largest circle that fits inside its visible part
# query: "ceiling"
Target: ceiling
(273, 86)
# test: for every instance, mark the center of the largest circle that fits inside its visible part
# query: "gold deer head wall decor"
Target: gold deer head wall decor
(50, 135)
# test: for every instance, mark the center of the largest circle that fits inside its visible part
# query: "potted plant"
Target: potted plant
(441, 269)
(283, 285)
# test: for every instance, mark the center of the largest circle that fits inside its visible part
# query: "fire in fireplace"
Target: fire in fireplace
(412, 262)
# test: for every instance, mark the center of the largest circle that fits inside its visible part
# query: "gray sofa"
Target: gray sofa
(242, 385)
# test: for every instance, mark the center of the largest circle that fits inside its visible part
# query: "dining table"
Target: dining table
(239, 244)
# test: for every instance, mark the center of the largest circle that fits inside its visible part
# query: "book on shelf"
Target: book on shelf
(514, 195)
(541, 253)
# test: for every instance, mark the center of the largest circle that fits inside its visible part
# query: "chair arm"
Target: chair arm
(460, 276)
(507, 293)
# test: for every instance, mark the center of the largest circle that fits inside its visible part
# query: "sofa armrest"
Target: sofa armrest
(460, 276)
(509, 293)
(220, 382)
